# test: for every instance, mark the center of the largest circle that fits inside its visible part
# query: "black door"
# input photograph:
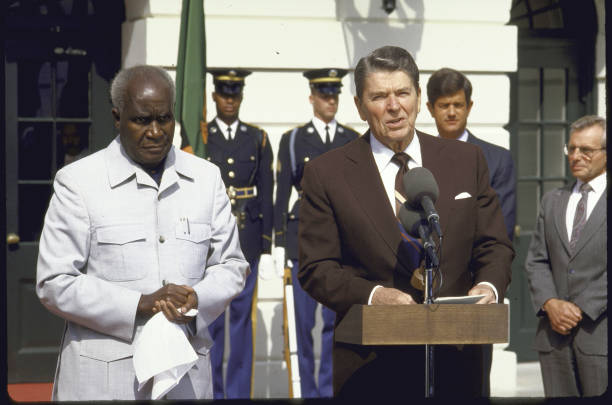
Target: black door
(57, 74)
(552, 87)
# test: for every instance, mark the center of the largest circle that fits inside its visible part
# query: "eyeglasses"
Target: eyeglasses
(588, 152)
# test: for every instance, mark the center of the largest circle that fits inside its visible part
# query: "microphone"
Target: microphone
(422, 192)
(417, 226)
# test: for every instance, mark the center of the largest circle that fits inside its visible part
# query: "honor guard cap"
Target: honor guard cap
(326, 81)
(229, 81)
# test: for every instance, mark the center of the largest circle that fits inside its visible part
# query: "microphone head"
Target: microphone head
(411, 219)
(418, 183)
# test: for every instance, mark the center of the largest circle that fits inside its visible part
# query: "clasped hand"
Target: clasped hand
(563, 315)
(172, 299)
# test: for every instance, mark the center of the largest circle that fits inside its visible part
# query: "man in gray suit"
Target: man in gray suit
(134, 229)
(567, 270)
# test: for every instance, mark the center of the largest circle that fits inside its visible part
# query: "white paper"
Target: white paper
(466, 299)
(162, 352)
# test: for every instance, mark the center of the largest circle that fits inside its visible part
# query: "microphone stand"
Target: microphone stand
(429, 350)
(431, 261)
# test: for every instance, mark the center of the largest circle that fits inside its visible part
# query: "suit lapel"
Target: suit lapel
(559, 210)
(216, 138)
(312, 137)
(432, 154)
(363, 179)
(341, 137)
(593, 223)
(241, 132)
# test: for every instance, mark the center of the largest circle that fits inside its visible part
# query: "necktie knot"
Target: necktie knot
(401, 159)
(585, 188)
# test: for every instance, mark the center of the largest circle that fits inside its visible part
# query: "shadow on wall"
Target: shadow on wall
(366, 31)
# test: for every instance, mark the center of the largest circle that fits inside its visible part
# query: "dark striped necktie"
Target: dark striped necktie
(580, 215)
(401, 159)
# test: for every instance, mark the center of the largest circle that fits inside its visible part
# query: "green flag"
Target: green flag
(190, 79)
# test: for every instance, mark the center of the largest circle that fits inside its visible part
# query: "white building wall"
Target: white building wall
(278, 39)
(600, 58)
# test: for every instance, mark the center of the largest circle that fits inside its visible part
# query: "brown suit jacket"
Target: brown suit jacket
(349, 240)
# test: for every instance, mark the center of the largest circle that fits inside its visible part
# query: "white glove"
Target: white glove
(279, 260)
(265, 268)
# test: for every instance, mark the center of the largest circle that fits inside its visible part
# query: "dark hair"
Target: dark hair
(445, 82)
(387, 58)
(118, 90)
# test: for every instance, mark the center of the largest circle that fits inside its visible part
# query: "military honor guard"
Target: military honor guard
(244, 155)
(297, 147)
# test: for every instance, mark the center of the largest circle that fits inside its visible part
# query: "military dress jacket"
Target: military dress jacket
(292, 157)
(246, 161)
(111, 234)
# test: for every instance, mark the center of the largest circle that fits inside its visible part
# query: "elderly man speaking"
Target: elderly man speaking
(137, 228)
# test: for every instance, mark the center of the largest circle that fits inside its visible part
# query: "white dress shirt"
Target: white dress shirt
(319, 125)
(388, 170)
(598, 185)
(223, 127)
(463, 137)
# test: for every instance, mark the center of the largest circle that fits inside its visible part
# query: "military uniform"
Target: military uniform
(297, 147)
(245, 162)
(307, 145)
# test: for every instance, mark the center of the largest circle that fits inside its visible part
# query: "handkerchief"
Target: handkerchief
(462, 195)
(163, 352)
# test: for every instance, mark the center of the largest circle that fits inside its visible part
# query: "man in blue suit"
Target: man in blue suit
(449, 101)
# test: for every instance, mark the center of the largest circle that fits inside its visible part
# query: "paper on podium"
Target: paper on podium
(163, 352)
(465, 299)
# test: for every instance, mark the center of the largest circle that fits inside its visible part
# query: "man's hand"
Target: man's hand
(179, 296)
(174, 314)
(480, 289)
(563, 315)
(391, 296)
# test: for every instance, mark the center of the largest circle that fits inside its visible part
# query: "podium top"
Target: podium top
(424, 324)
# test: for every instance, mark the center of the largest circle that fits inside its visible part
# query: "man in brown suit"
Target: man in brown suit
(350, 245)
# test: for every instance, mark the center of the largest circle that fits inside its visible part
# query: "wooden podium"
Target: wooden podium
(432, 324)
(424, 324)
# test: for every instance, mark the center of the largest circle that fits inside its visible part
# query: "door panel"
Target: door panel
(545, 103)
(52, 119)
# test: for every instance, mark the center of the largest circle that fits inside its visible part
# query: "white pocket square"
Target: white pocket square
(462, 195)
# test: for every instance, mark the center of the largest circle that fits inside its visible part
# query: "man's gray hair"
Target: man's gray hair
(589, 121)
(388, 59)
(119, 84)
